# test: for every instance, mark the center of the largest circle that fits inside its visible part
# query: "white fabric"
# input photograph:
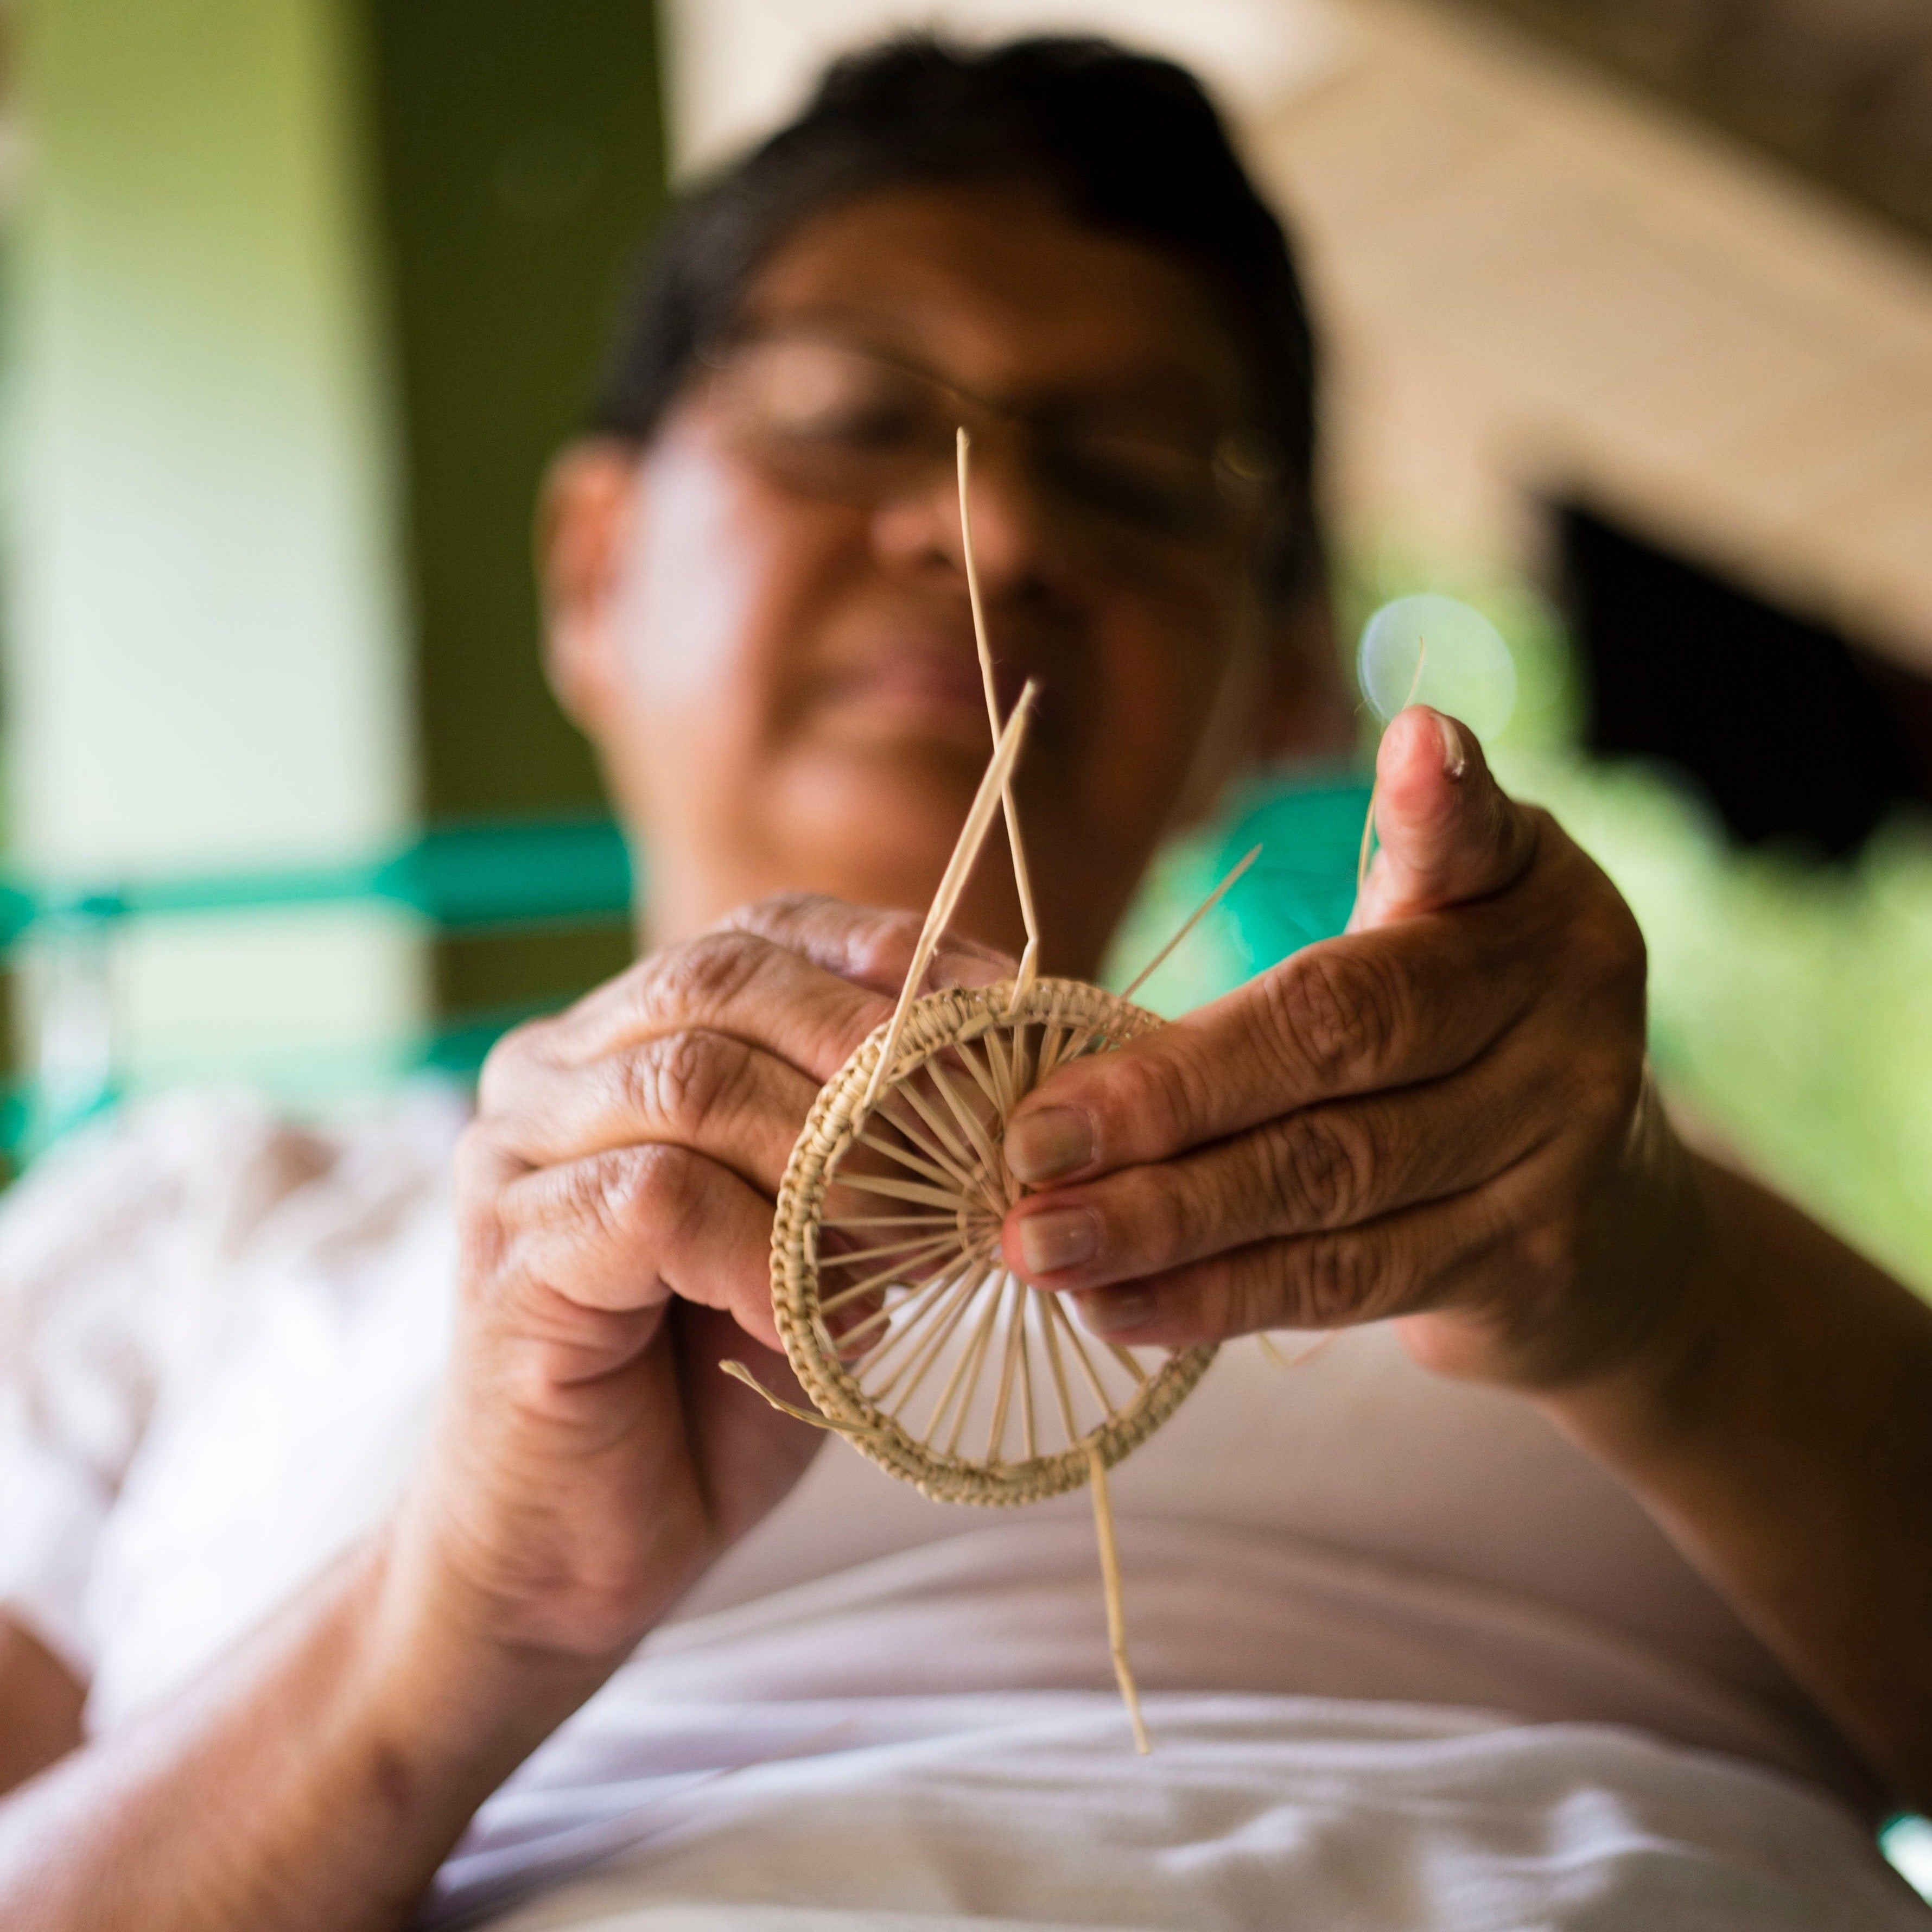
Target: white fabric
(1018, 1605)
(861, 1750)
(1253, 1812)
(219, 1341)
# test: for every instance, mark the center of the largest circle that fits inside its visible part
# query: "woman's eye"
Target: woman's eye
(871, 422)
(1159, 488)
(830, 399)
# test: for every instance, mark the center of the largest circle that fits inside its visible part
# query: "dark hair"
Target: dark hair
(1123, 142)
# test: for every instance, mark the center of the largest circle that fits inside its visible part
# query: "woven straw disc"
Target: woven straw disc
(899, 1316)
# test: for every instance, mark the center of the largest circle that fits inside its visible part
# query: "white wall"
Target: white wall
(735, 68)
(1531, 277)
(206, 660)
(1537, 277)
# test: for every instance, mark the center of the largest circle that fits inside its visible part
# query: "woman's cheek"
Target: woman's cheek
(689, 635)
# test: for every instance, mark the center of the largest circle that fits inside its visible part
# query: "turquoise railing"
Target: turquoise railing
(511, 876)
(472, 879)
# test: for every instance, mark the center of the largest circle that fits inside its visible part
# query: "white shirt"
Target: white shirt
(219, 1340)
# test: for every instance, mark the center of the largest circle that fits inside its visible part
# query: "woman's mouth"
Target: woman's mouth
(913, 694)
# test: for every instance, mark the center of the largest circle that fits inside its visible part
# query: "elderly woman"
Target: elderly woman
(1586, 1580)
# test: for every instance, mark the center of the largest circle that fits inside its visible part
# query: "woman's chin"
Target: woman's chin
(910, 800)
(877, 827)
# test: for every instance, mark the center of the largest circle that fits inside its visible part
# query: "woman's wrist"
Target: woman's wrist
(1646, 1401)
(454, 1700)
(316, 1777)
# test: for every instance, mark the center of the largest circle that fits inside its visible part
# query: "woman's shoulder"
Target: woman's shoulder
(215, 1172)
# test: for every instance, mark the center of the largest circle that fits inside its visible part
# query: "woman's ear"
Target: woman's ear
(583, 511)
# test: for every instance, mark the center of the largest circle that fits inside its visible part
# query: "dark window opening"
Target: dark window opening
(1795, 732)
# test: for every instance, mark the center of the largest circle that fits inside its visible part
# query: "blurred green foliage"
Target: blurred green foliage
(1791, 1005)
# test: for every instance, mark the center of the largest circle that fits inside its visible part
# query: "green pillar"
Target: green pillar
(520, 166)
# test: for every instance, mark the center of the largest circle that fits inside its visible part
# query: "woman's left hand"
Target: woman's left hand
(1443, 1116)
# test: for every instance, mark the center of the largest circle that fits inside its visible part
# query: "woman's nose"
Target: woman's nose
(920, 530)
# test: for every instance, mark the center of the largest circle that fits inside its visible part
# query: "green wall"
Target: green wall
(519, 166)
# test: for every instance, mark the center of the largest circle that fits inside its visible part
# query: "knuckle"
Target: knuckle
(704, 974)
(467, 1161)
(1614, 1087)
(1606, 933)
(476, 1178)
(1622, 938)
(790, 919)
(1236, 1293)
(476, 1167)
(1591, 919)
(1319, 1169)
(778, 912)
(481, 1172)
(683, 1080)
(1335, 1013)
(620, 1193)
(1548, 1257)
(507, 1063)
(879, 947)
(1336, 1281)
(859, 943)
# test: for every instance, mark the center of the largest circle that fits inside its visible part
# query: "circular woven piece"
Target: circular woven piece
(898, 1316)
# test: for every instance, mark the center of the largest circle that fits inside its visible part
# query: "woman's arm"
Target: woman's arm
(1781, 1432)
(614, 1203)
(315, 1778)
(1444, 1118)
(40, 1704)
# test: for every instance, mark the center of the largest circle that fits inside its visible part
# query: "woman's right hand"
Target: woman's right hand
(614, 1198)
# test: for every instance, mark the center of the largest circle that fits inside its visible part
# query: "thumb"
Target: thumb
(1448, 831)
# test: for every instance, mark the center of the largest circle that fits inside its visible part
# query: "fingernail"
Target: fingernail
(1114, 1310)
(1455, 759)
(1060, 1237)
(1050, 1144)
(969, 966)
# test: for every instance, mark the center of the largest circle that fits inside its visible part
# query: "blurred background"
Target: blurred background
(1628, 306)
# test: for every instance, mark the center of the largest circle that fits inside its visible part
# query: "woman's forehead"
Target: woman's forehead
(1000, 292)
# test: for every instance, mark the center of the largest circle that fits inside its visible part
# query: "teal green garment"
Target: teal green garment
(1300, 889)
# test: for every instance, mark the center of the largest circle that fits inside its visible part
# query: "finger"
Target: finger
(1370, 1010)
(1449, 833)
(625, 1230)
(730, 982)
(865, 945)
(1400, 1264)
(707, 1091)
(1325, 1167)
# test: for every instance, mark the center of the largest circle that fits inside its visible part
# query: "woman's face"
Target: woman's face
(781, 679)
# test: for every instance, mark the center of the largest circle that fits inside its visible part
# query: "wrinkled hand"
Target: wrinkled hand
(1442, 1116)
(614, 1198)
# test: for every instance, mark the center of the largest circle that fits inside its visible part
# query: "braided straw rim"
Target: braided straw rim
(931, 1024)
